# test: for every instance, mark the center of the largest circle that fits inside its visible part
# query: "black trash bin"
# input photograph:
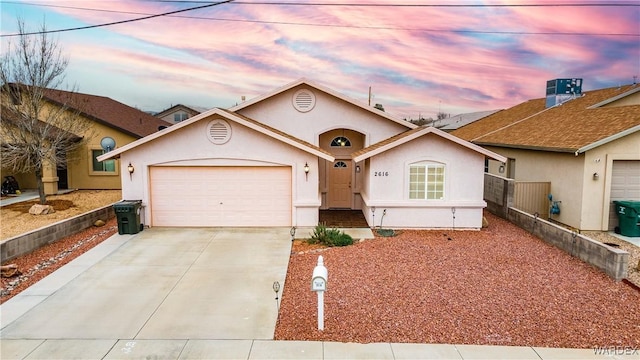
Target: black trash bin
(128, 216)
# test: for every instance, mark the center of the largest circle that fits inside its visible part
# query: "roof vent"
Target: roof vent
(304, 100)
(561, 90)
(218, 131)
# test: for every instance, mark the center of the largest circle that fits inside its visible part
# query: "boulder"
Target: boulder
(38, 209)
(99, 223)
(10, 270)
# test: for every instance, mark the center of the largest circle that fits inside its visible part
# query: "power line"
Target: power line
(291, 3)
(119, 22)
(170, 14)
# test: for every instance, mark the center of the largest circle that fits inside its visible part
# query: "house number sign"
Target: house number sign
(380, 173)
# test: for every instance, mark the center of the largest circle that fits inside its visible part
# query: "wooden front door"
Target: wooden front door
(339, 195)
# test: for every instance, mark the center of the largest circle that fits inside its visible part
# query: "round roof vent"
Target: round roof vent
(304, 100)
(218, 131)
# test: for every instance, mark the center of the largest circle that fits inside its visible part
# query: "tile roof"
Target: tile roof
(565, 128)
(108, 112)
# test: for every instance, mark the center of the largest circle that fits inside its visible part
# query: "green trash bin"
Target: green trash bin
(128, 216)
(628, 217)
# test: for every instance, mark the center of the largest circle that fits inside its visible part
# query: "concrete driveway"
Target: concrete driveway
(162, 283)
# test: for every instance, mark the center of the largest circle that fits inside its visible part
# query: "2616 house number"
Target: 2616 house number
(380, 173)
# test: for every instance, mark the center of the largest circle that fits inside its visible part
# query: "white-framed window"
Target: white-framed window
(180, 116)
(107, 167)
(426, 181)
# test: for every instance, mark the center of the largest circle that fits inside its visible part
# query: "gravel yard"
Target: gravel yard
(499, 286)
(16, 219)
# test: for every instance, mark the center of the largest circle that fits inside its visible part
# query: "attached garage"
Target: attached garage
(209, 196)
(625, 185)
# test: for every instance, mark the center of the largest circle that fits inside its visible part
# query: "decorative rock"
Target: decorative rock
(485, 222)
(38, 209)
(99, 223)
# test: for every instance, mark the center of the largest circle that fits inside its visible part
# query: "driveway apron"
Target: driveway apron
(169, 283)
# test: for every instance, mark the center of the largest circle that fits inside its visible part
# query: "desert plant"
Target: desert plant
(343, 240)
(319, 235)
(329, 237)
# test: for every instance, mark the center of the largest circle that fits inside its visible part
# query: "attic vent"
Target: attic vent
(304, 100)
(218, 131)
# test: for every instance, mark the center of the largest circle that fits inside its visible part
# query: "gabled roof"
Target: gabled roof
(192, 110)
(409, 135)
(243, 120)
(574, 126)
(108, 112)
(309, 83)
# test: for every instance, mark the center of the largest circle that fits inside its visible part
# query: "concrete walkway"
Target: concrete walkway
(191, 294)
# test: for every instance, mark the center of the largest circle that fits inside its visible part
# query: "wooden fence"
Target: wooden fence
(532, 197)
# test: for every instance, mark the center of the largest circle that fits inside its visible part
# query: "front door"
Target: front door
(339, 195)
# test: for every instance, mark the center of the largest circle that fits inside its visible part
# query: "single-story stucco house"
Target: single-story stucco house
(277, 159)
(80, 170)
(586, 144)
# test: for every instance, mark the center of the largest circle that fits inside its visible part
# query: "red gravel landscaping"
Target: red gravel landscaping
(497, 286)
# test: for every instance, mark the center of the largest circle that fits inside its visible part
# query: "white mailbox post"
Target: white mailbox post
(319, 285)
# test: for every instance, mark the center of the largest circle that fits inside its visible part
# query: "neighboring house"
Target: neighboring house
(452, 123)
(587, 145)
(110, 118)
(278, 159)
(178, 113)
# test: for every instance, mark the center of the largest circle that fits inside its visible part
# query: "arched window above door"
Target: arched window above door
(340, 141)
(340, 164)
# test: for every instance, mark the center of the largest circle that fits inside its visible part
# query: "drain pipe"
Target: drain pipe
(384, 212)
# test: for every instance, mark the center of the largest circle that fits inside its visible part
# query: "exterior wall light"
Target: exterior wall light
(595, 176)
(357, 168)
(131, 169)
(501, 169)
(306, 171)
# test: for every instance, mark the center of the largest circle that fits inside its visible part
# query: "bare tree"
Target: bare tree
(37, 132)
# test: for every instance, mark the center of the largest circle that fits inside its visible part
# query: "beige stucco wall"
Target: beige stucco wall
(597, 201)
(328, 113)
(563, 170)
(585, 201)
(386, 186)
(80, 167)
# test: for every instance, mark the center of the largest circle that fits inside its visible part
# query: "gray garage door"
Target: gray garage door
(625, 185)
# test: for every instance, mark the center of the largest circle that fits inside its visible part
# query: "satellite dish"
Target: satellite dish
(107, 143)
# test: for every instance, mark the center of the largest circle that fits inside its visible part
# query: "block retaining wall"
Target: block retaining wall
(499, 195)
(26, 243)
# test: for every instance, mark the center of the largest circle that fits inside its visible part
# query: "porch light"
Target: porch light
(306, 170)
(357, 168)
(131, 169)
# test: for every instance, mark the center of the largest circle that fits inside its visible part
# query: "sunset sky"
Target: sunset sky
(419, 57)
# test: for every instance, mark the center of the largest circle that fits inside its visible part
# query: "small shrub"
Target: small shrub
(329, 237)
(343, 240)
